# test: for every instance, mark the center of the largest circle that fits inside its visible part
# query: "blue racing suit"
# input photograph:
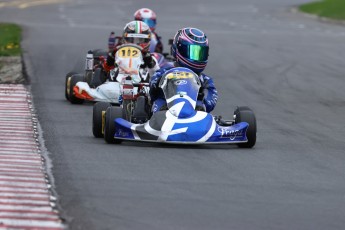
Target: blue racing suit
(207, 88)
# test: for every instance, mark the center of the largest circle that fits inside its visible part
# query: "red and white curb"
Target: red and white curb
(25, 198)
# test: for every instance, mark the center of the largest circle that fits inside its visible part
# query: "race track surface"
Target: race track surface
(287, 67)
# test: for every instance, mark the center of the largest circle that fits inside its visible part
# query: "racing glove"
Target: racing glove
(148, 60)
(109, 63)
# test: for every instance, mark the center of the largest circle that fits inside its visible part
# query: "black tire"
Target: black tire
(67, 82)
(99, 52)
(127, 111)
(98, 78)
(141, 110)
(73, 81)
(97, 118)
(88, 76)
(109, 128)
(245, 114)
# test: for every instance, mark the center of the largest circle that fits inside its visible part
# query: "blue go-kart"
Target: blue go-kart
(182, 122)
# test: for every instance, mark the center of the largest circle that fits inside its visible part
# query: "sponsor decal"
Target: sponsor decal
(155, 108)
(180, 82)
(179, 75)
(122, 133)
(228, 132)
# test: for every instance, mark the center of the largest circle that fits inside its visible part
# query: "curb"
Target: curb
(26, 200)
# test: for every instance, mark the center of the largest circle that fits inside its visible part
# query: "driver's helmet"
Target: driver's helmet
(137, 32)
(190, 49)
(148, 16)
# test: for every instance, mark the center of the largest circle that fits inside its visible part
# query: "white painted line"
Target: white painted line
(13, 116)
(20, 174)
(21, 162)
(12, 170)
(19, 149)
(19, 142)
(24, 207)
(4, 120)
(11, 100)
(24, 190)
(19, 136)
(20, 166)
(25, 184)
(32, 218)
(9, 194)
(20, 152)
(31, 224)
(21, 156)
(17, 124)
(21, 214)
(25, 155)
(21, 178)
(3, 165)
(5, 201)
(19, 119)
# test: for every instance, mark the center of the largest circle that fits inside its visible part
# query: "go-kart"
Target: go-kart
(79, 87)
(94, 59)
(181, 123)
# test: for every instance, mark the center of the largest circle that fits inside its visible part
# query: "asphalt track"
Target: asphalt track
(287, 67)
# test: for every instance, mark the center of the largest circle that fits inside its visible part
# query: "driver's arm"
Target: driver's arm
(210, 92)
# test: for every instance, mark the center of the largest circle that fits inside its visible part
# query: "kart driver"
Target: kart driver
(135, 32)
(149, 17)
(189, 49)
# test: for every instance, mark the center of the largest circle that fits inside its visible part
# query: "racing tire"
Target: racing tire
(73, 81)
(127, 110)
(109, 127)
(67, 83)
(140, 112)
(98, 78)
(245, 114)
(99, 52)
(97, 118)
(88, 76)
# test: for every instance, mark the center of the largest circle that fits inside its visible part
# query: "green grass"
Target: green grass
(10, 36)
(334, 9)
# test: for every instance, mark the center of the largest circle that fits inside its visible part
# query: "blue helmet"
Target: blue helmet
(190, 49)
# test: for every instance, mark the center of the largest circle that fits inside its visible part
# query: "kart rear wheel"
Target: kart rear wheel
(73, 81)
(98, 78)
(98, 118)
(67, 83)
(99, 52)
(127, 111)
(88, 76)
(245, 114)
(109, 128)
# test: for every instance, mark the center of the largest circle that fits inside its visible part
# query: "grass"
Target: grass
(10, 36)
(334, 9)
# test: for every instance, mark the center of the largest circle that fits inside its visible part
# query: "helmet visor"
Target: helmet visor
(137, 41)
(137, 38)
(193, 52)
(150, 22)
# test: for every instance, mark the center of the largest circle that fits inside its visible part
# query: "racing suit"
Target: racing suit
(208, 90)
(149, 62)
(156, 44)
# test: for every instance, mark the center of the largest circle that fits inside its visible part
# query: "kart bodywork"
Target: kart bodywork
(181, 123)
(128, 60)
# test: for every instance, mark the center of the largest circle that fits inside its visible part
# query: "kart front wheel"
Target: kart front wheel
(109, 128)
(67, 84)
(245, 114)
(98, 118)
(73, 81)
